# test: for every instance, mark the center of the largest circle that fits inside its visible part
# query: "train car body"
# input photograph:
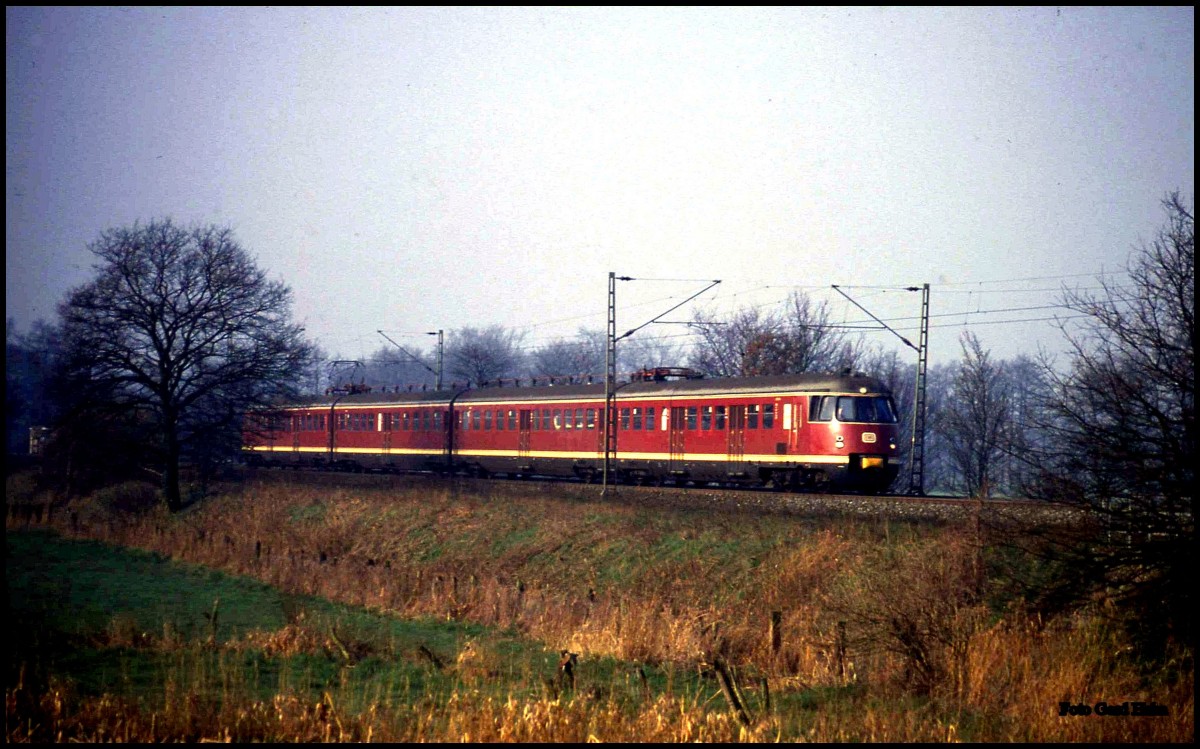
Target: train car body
(796, 431)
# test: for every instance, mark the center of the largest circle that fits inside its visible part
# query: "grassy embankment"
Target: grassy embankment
(420, 610)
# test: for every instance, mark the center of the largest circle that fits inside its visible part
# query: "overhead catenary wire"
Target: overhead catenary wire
(728, 293)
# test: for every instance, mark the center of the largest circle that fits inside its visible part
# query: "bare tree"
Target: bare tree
(1120, 424)
(975, 424)
(582, 355)
(729, 347)
(649, 351)
(1027, 386)
(392, 367)
(751, 342)
(181, 326)
(811, 342)
(481, 355)
(30, 361)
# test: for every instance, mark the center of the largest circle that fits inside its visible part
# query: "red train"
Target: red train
(794, 431)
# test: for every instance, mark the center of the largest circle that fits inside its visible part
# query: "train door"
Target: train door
(524, 424)
(332, 436)
(791, 425)
(735, 449)
(675, 461)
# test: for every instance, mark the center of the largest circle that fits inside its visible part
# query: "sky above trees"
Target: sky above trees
(421, 169)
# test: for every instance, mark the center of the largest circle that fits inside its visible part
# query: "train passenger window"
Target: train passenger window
(579, 418)
(546, 423)
(558, 419)
(769, 416)
(499, 420)
(691, 417)
(650, 418)
(624, 418)
(476, 420)
(706, 418)
(591, 418)
(512, 419)
(487, 420)
(719, 423)
(437, 421)
(752, 416)
(637, 419)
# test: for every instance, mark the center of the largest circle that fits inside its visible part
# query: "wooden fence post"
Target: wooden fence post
(775, 632)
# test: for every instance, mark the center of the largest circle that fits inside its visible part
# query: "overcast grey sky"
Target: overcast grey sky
(422, 168)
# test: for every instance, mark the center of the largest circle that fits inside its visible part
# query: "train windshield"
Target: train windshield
(871, 409)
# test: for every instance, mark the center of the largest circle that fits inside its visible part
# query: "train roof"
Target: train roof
(625, 390)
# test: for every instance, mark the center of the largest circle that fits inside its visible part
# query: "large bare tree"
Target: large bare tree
(1119, 434)
(751, 342)
(481, 355)
(579, 356)
(976, 421)
(181, 326)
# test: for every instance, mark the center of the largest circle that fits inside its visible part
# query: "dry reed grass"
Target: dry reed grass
(902, 620)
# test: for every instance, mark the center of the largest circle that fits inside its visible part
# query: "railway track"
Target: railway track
(710, 497)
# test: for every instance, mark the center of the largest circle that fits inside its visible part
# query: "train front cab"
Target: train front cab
(863, 427)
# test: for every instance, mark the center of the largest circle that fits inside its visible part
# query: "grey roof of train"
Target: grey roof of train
(677, 388)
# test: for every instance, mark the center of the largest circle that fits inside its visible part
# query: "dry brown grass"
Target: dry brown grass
(897, 628)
